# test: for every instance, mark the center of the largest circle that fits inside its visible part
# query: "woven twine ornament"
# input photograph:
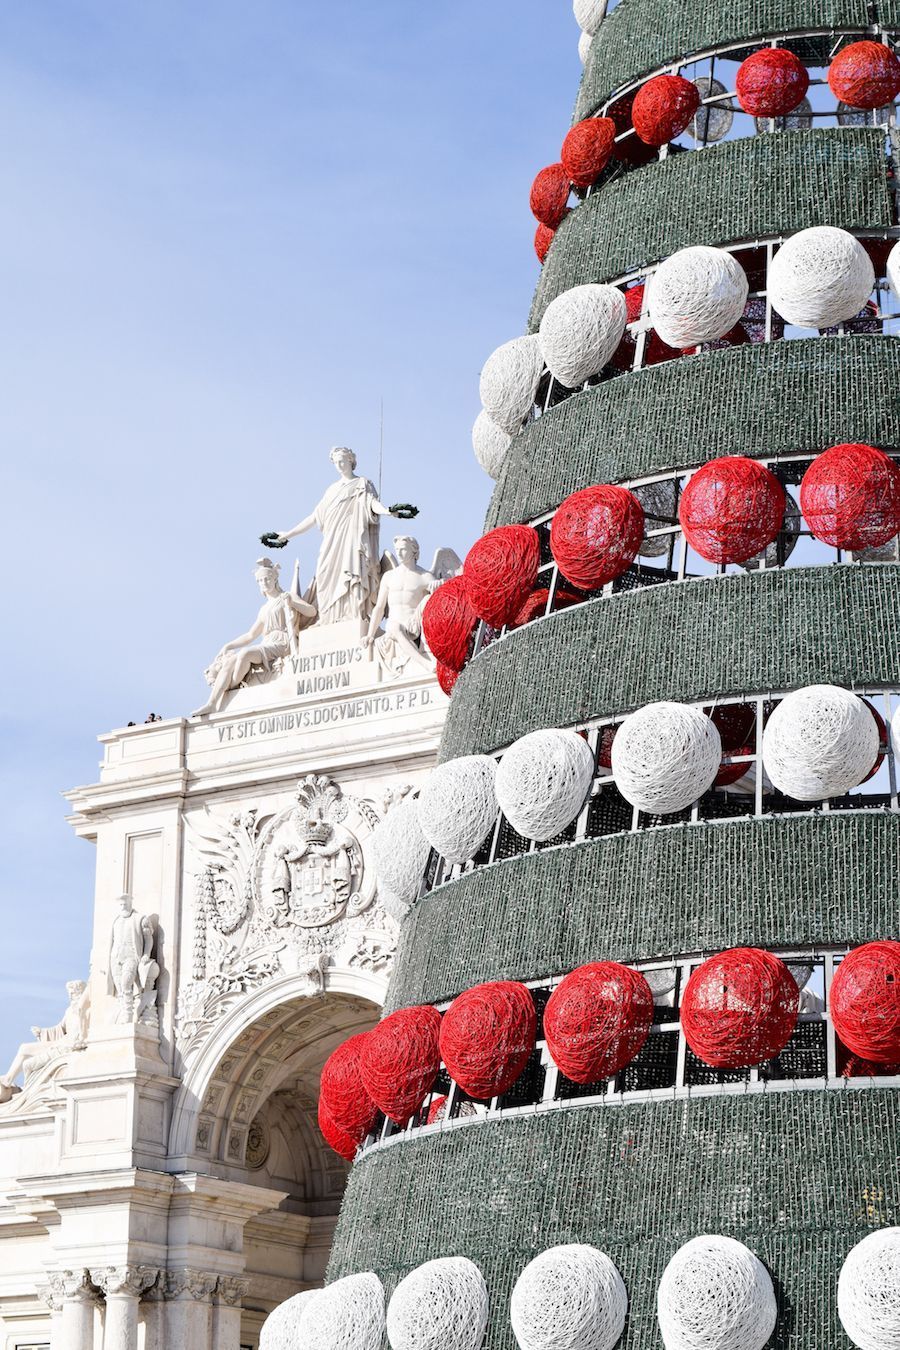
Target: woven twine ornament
(345, 1315)
(715, 1295)
(550, 195)
(665, 756)
(543, 238)
(437, 1111)
(509, 381)
(736, 724)
(712, 121)
(441, 1305)
(487, 1036)
(500, 571)
(458, 806)
(658, 503)
(655, 350)
(584, 47)
(819, 742)
(865, 75)
(771, 82)
(663, 108)
(595, 535)
(820, 277)
(869, 1291)
(448, 623)
(490, 443)
(872, 117)
(589, 14)
(892, 269)
(632, 149)
(569, 1298)
(343, 1091)
(799, 120)
(739, 1008)
(446, 677)
(340, 1141)
(281, 1329)
(865, 1001)
(399, 1061)
(697, 295)
(731, 509)
(782, 546)
(587, 150)
(597, 1019)
(542, 782)
(400, 851)
(850, 496)
(580, 331)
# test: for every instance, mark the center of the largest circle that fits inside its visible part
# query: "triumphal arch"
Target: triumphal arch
(163, 1183)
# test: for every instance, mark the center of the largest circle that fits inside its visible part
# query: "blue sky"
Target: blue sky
(226, 232)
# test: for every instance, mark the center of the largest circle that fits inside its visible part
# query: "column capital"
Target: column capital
(77, 1286)
(53, 1293)
(125, 1281)
(190, 1284)
(231, 1290)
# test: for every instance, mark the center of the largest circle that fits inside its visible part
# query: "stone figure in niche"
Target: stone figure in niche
(272, 637)
(50, 1043)
(348, 570)
(133, 972)
(314, 879)
(402, 593)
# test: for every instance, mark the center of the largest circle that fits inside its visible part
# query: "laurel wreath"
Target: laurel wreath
(404, 510)
(272, 539)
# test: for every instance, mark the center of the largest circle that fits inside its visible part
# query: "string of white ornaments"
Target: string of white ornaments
(281, 1329)
(509, 381)
(820, 277)
(458, 806)
(819, 742)
(542, 782)
(696, 295)
(441, 1305)
(869, 1291)
(490, 444)
(570, 1297)
(346, 1315)
(665, 756)
(658, 501)
(400, 850)
(715, 1294)
(580, 331)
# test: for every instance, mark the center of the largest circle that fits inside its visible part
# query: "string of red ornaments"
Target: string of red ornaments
(550, 194)
(663, 108)
(850, 497)
(448, 622)
(399, 1061)
(739, 1008)
(771, 82)
(731, 509)
(500, 571)
(487, 1036)
(865, 1001)
(865, 75)
(343, 1092)
(595, 535)
(597, 1020)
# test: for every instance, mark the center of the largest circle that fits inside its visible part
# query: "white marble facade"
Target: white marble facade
(162, 1180)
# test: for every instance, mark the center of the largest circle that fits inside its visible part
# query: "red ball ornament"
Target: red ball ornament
(865, 1001)
(850, 497)
(739, 1008)
(655, 350)
(343, 1091)
(663, 107)
(448, 622)
(543, 238)
(500, 571)
(771, 82)
(446, 677)
(865, 75)
(632, 149)
(487, 1036)
(595, 535)
(587, 150)
(549, 195)
(731, 509)
(735, 723)
(399, 1061)
(597, 1020)
(434, 1110)
(535, 606)
(339, 1140)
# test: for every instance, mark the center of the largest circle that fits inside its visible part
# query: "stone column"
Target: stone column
(123, 1286)
(79, 1302)
(226, 1320)
(189, 1309)
(153, 1314)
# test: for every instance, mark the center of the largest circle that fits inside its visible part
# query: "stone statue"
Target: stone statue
(132, 970)
(272, 636)
(348, 569)
(402, 593)
(51, 1042)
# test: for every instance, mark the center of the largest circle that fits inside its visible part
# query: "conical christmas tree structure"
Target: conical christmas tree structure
(701, 622)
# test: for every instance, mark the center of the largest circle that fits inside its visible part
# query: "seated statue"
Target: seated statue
(402, 594)
(50, 1042)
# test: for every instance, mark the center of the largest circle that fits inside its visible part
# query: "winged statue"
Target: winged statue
(402, 595)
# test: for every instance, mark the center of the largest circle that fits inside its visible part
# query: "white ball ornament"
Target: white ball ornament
(712, 121)
(820, 277)
(400, 851)
(665, 756)
(893, 270)
(441, 1305)
(569, 1298)
(584, 47)
(346, 1315)
(490, 443)
(819, 742)
(715, 1294)
(458, 806)
(589, 14)
(281, 1329)
(697, 295)
(542, 782)
(659, 501)
(509, 381)
(869, 1291)
(580, 331)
